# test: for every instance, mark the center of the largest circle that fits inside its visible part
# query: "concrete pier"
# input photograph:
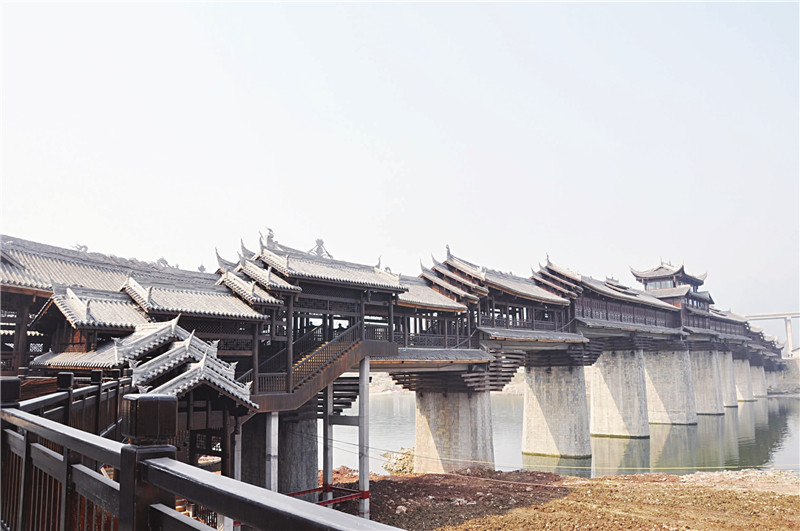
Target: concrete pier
(619, 396)
(453, 431)
(556, 414)
(759, 380)
(744, 382)
(707, 382)
(297, 457)
(670, 390)
(259, 451)
(727, 379)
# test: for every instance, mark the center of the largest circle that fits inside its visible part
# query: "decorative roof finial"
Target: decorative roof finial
(202, 268)
(447, 247)
(379, 262)
(320, 250)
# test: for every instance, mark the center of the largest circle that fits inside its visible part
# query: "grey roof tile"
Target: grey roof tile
(212, 301)
(421, 294)
(91, 308)
(519, 334)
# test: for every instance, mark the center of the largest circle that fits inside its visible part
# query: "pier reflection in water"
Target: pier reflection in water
(761, 433)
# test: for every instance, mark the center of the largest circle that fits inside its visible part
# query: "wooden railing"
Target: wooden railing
(512, 322)
(320, 358)
(275, 363)
(58, 477)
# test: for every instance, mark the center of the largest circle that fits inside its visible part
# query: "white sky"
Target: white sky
(606, 135)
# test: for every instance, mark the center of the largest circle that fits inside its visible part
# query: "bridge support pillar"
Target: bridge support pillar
(727, 379)
(670, 391)
(259, 451)
(555, 413)
(619, 396)
(453, 431)
(297, 451)
(758, 377)
(744, 382)
(707, 383)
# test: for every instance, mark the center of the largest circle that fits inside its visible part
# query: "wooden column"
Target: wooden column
(254, 385)
(391, 317)
(289, 343)
(21, 338)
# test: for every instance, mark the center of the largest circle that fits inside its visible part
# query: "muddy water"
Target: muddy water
(756, 434)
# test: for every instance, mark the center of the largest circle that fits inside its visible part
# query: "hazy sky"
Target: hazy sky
(606, 135)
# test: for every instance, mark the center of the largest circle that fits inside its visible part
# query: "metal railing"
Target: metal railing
(59, 477)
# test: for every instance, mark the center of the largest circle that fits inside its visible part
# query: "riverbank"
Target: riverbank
(481, 499)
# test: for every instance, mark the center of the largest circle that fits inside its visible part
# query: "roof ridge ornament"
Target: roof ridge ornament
(320, 250)
(447, 248)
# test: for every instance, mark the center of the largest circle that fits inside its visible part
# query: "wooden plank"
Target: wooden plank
(96, 488)
(47, 460)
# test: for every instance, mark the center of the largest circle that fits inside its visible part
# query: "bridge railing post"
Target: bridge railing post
(150, 422)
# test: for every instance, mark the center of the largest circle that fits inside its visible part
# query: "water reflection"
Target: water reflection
(765, 432)
(673, 448)
(612, 455)
(566, 466)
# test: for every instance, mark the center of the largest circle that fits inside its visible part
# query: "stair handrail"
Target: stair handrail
(326, 354)
(297, 345)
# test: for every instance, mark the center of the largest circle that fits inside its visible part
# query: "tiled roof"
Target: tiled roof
(442, 269)
(434, 279)
(518, 334)
(311, 267)
(668, 293)
(92, 270)
(191, 348)
(213, 300)
(620, 292)
(84, 307)
(701, 331)
(265, 277)
(521, 287)
(464, 266)
(460, 355)
(563, 271)
(12, 273)
(201, 373)
(666, 270)
(728, 315)
(248, 290)
(421, 294)
(628, 327)
(199, 358)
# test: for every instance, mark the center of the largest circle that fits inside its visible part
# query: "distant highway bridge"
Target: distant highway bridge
(787, 318)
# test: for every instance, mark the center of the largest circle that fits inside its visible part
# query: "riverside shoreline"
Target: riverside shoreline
(482, 499)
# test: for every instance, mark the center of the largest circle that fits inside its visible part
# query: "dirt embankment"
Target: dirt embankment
(481, 499)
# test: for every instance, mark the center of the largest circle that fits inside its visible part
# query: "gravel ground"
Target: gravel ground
(480, 499)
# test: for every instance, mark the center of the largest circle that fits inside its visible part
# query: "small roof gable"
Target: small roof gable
(420, 294)
(88, 308)
(668, 271)
(212, 301)
(266, 278)
(620, 292)
(521, 287)
(313, 267)
(249, 291)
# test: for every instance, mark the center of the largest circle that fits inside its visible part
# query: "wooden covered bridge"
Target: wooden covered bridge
(252, 355)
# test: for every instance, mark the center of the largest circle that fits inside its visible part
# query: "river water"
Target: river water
(764, 433)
